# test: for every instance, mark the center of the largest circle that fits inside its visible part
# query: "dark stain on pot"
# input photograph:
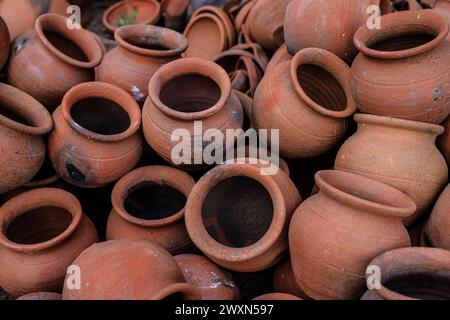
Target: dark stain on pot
(74, 172)
(424, 286)
(20, 43)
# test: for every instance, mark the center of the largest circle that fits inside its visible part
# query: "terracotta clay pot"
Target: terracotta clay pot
(47, 296)
(265, 23)
(400, 59)
(148, 203)
(314, 115)
(131, 12)
(239, 217)
(43, 231)
(181, 93)
(352, 220)
(276, 296)
(141, 50)
(400, 153)
(48, 61)
(443, 141)
(280, 56)
(284, 280)
(213, 282)
(5, 43)
(23, 124)
(329, 25)
(175, 13)
(411, 274)
(129, 270)
(96, 139)
(438, 226)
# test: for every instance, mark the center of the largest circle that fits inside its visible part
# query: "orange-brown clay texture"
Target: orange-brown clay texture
(437, 228)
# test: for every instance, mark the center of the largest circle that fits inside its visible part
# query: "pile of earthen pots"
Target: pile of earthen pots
(80, 123)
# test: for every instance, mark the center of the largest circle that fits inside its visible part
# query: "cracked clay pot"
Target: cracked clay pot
(402, 70)
(348, 223)
(141, 50)
(213, 282)
(314, 109)
(42, 232)
(23, 124)
(149, 203)
(96, 139)
(130, 270)
(239, 217)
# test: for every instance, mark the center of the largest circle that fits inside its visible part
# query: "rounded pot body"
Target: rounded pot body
(437, 228)
(397, 152)
(443, 141)
(348, 223)
(284, 280)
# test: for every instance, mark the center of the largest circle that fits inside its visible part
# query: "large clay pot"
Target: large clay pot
(443, 141)
(96, 139)
(23, 124)
(141, 50)
(411, 274)
(48, 61)
(185, 92)
(265, 23)
(437, 228)
(400, 153)
(5, 43)
(148, 203)
(284, 280)
(313, 111)
(43, 231)
(402, 70)
(239, 218)
(213, 282)
(352, 220)
(129, 270)
(329, 25)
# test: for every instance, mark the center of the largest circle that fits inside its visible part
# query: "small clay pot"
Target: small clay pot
(409, 54)
(412, 274)
(239, 217)
(129, 270)
(437, 228)
(265, 23)
(352, 220)
(23, 124)
(48, 61)
(5, 43)
(43, 231)
(280, 56)
(329, 25)
(314, 115)
(141, 50)
(96, 139)
(284, 280)
(276, 296)
(148, 203)
(443, 141)
(182, 93)
(131, 12)
(400, 153)
(47, 296)
(213, 282)
(175, 13)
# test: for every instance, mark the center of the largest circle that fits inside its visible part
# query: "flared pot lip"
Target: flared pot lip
(430, 128)
(38, 198)
(435, 23)
(332, 64)
(390, 260)
(164, 175)
(403, 206)
(27, 107)
(179, 45)
(189, 66)
(102, 90)
(197, 230)
(94, 52)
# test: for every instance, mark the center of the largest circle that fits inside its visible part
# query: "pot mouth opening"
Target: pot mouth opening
(8, 111)
(237, 212)
(358, 191)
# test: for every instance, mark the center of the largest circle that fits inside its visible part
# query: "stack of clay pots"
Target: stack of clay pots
(102, 198)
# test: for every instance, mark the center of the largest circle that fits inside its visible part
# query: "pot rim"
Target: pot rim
(425, 258)
(206, 243)
(335, 67)
(112, 28)
(147, 30)
(404, 207)
(164, 175)
(189, 66)
(398, 20)
(108, 92)
(34, 199)
(91, 49)
(425, 127)
(27, 107)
